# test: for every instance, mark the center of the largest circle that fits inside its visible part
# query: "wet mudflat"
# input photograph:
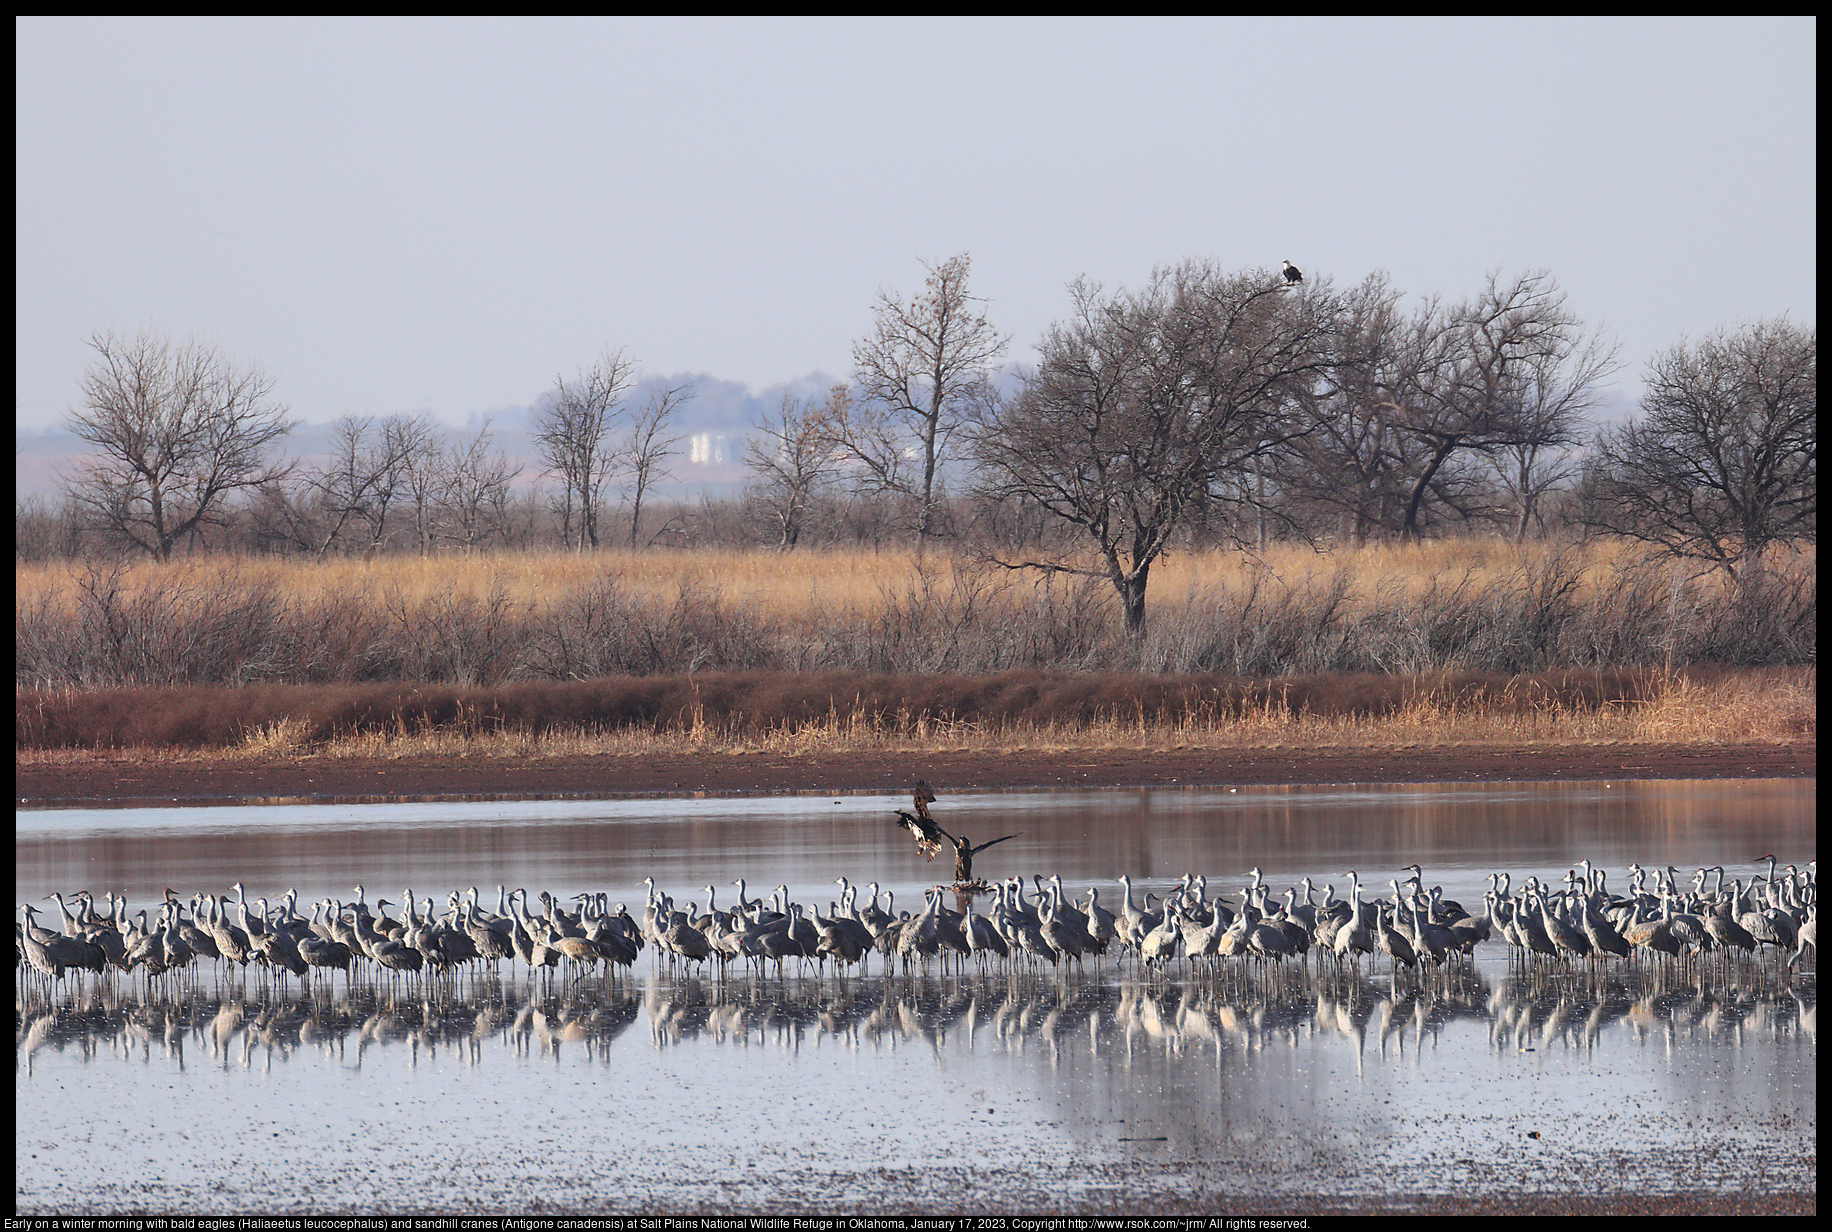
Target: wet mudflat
(1102, 1088)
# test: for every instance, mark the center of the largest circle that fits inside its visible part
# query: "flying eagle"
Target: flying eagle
(1292, 273)
(928, 834)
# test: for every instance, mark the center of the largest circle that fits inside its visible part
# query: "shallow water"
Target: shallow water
(1033, 1091)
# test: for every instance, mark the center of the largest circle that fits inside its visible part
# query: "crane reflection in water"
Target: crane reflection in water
(981, 1012)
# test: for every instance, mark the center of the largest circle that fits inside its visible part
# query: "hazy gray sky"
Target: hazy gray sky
(400, 215)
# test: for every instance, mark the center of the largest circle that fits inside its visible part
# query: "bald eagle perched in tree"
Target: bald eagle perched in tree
(1292, 273)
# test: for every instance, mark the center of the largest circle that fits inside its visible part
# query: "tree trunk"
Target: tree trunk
(928, 483)
(1132, 599)
(1446, 447)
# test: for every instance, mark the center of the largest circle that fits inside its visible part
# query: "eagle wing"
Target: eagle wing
(928, 835)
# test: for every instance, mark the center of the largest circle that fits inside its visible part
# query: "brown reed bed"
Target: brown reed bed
(841, 712)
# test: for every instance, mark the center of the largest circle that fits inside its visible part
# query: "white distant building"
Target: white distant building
(709, 449)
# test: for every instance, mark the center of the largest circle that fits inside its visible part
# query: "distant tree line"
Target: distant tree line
(1208, 405)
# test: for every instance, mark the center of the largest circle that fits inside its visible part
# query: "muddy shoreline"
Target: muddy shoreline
(127, 779)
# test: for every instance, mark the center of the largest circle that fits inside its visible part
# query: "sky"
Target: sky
(444, 215)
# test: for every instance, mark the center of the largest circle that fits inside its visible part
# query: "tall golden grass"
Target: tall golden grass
(803, 584)
(777, 584)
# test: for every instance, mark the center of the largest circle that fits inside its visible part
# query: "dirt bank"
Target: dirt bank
(124, 779)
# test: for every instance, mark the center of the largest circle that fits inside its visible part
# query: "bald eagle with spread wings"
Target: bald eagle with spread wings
(929, 835)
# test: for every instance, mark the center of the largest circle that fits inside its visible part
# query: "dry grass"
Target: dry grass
(1481, 605)
(801, 585)
(769, 582)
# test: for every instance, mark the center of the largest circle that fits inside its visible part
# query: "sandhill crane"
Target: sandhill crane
(1200, 936)
(1042, 923)
(1354, 935)
(1390, 941)
(47, 952)
(71, 927)
(845, 940)
(1604, 937)
(577, 950)
(1655, 934)
(275, 947)
(1164, 942)
(147, 948)
(1131, 923)
(1767, 924)
(1021, 929)
(492, 943)
(1725, 931)
(1563, 936)
(1102, 925)
(325, 953)
(920, 938)
(682, 939)
(1061, 933)
(1266, 940)
(1233, 941)
(1806, 936)
(875, 918)
(202, 944)
(386, 951)
(983, 938)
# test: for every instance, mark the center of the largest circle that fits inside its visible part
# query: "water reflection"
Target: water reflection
(1460, 831)
(989, 1014)
(695, 1093)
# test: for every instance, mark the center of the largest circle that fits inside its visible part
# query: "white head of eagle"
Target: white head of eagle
(1292, 273)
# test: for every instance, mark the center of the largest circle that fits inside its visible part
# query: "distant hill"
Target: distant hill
(714, 422)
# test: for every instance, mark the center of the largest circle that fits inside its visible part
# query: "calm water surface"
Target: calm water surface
(988, 1092)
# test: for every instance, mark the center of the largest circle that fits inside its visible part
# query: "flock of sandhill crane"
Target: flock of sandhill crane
(1657, 918)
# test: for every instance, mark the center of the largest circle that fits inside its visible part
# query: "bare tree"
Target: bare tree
(646, 447)
(1722, 461)
(1506, 369)
(476, 490)
(927, 363)
(405, 440)
(793, 456)
(1148, 406)
(43, 531)
(423, 480)
(572, 433)
(1354, 465)
(1564, 385)
(345, 480)
(177, 429)
(366, 473)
